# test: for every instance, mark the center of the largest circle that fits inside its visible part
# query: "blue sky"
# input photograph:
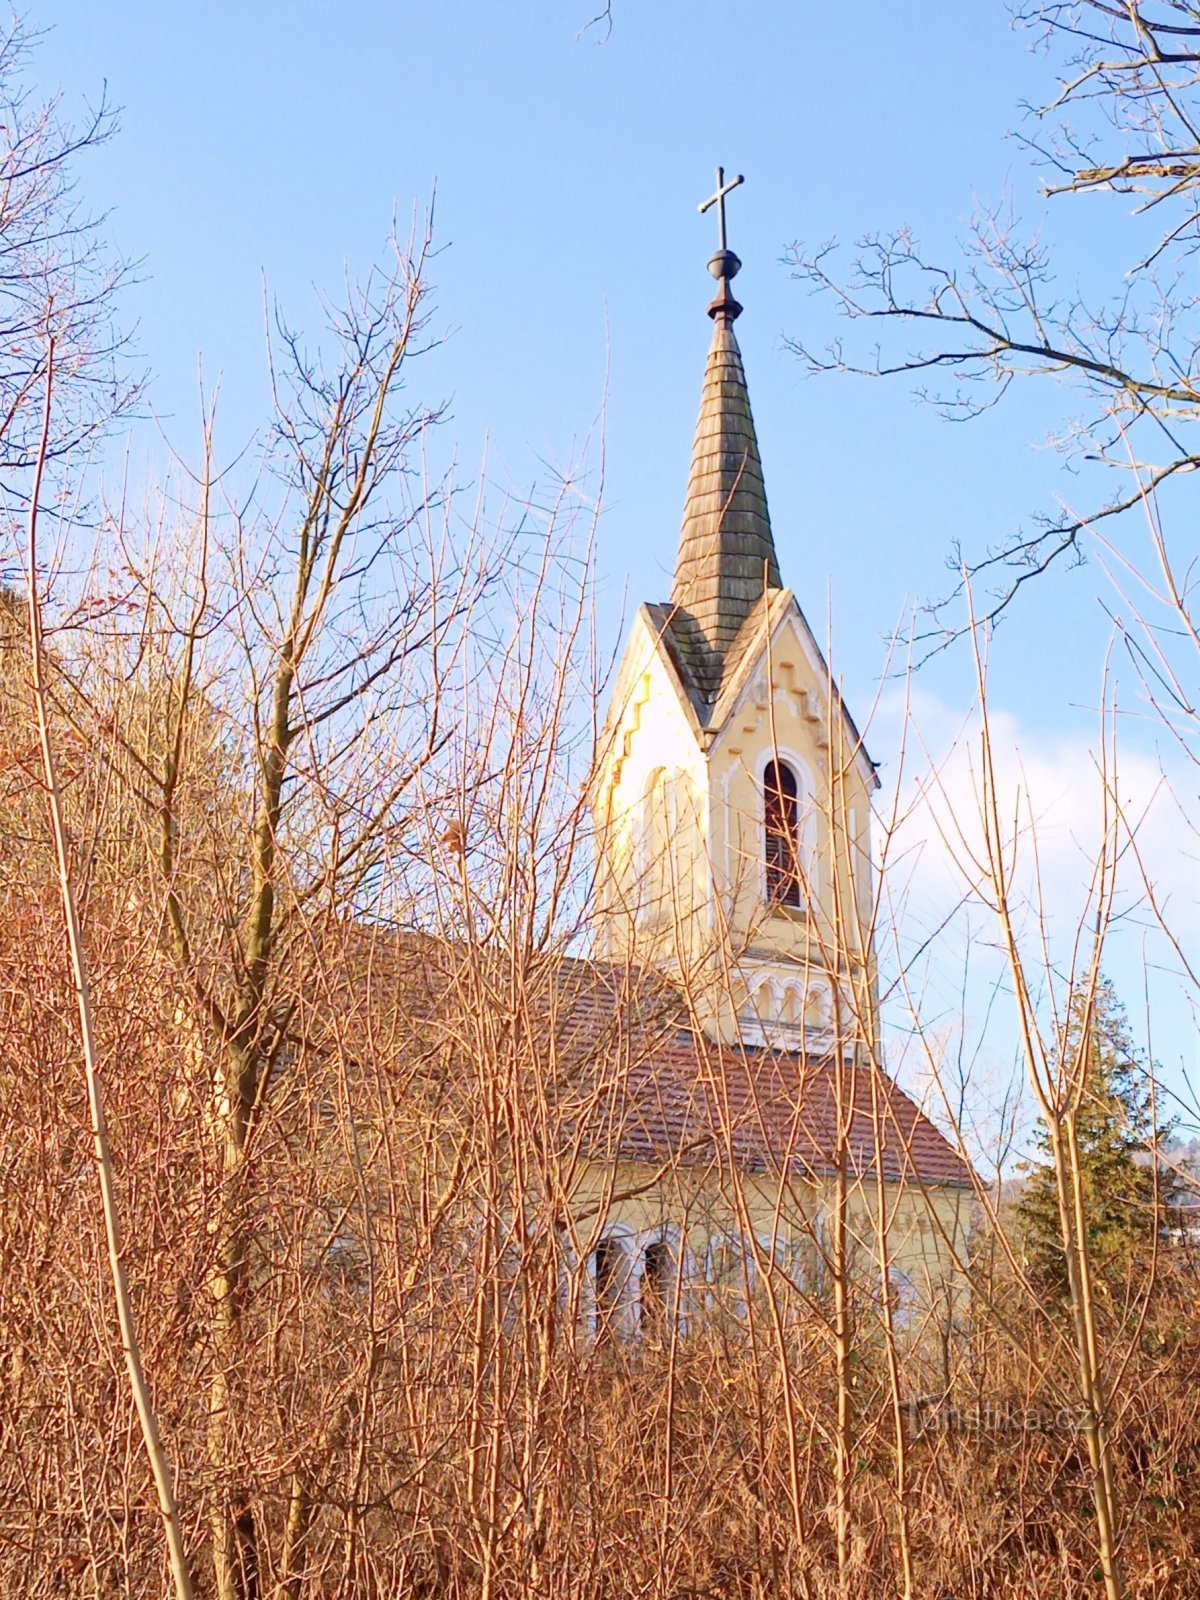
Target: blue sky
(265, 142)
(271, 142)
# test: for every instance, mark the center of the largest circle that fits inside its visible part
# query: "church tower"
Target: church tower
(732, 792)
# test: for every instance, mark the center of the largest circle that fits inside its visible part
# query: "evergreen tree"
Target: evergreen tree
(1116, 1135)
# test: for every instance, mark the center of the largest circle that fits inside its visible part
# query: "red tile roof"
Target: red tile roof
(766, 1109)
(635, 1083)
(683, 1095)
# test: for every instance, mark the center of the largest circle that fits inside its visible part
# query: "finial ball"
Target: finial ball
(724, 265)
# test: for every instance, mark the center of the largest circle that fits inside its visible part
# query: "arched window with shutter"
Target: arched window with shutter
(781, 835)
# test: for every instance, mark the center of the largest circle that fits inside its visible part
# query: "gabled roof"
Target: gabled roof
(727, 599)
(775, 1111)
(688, 1098)
(711, 710)
(628, 1080)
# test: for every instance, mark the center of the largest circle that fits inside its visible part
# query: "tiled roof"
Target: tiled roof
(638, 1085)
(713, 687)
(686, 1097)
(783, 1108)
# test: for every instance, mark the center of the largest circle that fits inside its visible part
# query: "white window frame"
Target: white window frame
(785, 1251)
(633, 1244)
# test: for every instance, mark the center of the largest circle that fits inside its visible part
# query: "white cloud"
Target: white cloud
(1050, 793)
(1055, 797)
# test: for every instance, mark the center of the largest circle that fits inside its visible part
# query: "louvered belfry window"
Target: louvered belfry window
(782, 835)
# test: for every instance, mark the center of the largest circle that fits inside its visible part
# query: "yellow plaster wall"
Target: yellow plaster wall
(698, 904)
(926, 1229)
(649, 908)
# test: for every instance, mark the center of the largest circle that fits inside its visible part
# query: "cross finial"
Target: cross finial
(724, 265)
(718, 200)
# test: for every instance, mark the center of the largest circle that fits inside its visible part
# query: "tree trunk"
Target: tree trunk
(234, 1532)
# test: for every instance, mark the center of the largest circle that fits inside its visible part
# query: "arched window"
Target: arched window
(729, 1270)
(609, 1270)
(736, 1268)
(657, 1285)
(646, 842)
(903, 1293)
(781, 840)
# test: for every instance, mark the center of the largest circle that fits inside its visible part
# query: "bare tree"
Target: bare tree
(283, 684)
(63, 381)
(439, 1379)
(59, 277)
(318, 748)
(1123, 120)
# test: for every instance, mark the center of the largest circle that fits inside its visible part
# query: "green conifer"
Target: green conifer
(1116, 1137)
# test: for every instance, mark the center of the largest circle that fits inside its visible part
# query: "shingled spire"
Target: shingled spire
(726, 551)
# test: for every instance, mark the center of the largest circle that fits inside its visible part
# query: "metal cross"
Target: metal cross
(718, 200)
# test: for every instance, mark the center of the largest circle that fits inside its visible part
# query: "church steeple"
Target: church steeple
(732, 793)
(726, 549)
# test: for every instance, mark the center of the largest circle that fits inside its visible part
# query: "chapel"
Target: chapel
(732, 805)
